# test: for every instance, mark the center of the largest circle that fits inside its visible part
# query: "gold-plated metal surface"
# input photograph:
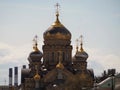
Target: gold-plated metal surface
(81, 44)
(37, 76)
(57, 22)
(77, 45)
(60, 64)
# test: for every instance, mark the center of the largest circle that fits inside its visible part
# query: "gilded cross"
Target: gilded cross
(81, 43)
(77, 42)
(77, 45)
(81, 39)
(35, 39)
(57, 7)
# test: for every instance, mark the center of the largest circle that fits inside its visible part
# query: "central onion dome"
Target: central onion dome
(57, 31)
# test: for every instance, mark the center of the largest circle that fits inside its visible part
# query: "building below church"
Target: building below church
(55, 68)
(4, 87)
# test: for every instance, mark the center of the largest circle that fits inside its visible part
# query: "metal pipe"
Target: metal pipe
(10, 77)
(15, 76)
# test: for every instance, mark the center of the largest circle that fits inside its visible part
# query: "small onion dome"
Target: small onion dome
(37, 77)
(60, 65)
(36, 55)
(57, 31)
(82, 55)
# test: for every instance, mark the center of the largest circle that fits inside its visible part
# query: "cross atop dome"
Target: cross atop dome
(57, 12)
(57, 8)
(35, 39)
(81, 39)
(81, 43)
(35, 43)
(77, 45)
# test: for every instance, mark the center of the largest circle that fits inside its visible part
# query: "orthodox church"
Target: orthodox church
(55, 68)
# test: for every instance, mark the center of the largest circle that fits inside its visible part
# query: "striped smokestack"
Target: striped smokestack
(10, 77)
(15, 76)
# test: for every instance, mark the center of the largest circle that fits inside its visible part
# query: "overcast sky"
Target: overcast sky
(97, 20)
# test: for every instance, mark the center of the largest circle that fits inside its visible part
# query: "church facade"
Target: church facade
(55, 68)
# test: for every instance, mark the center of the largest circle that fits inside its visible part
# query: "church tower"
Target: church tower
(35, 58)
(80, 57)
(83, 74)
(57, 39)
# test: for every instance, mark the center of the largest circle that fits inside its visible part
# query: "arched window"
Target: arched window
(67, 56)
(58, 56)
(52, 56)
(63, 55)
(48, 56)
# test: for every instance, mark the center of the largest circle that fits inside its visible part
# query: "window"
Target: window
(63, 56)
(53, 56)
(58, 56)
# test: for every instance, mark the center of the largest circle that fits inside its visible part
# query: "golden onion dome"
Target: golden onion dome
(57, 31)
(60, 65)
(37, 77)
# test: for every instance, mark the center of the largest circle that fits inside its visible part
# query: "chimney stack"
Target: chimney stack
(24, 66)
(10, 77)
(15, 76)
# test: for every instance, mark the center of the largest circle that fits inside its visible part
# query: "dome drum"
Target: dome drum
(57, 48)
(34, 59)
(80, 59)
(57, 42)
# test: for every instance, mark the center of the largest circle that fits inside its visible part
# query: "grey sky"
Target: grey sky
(97, 20)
